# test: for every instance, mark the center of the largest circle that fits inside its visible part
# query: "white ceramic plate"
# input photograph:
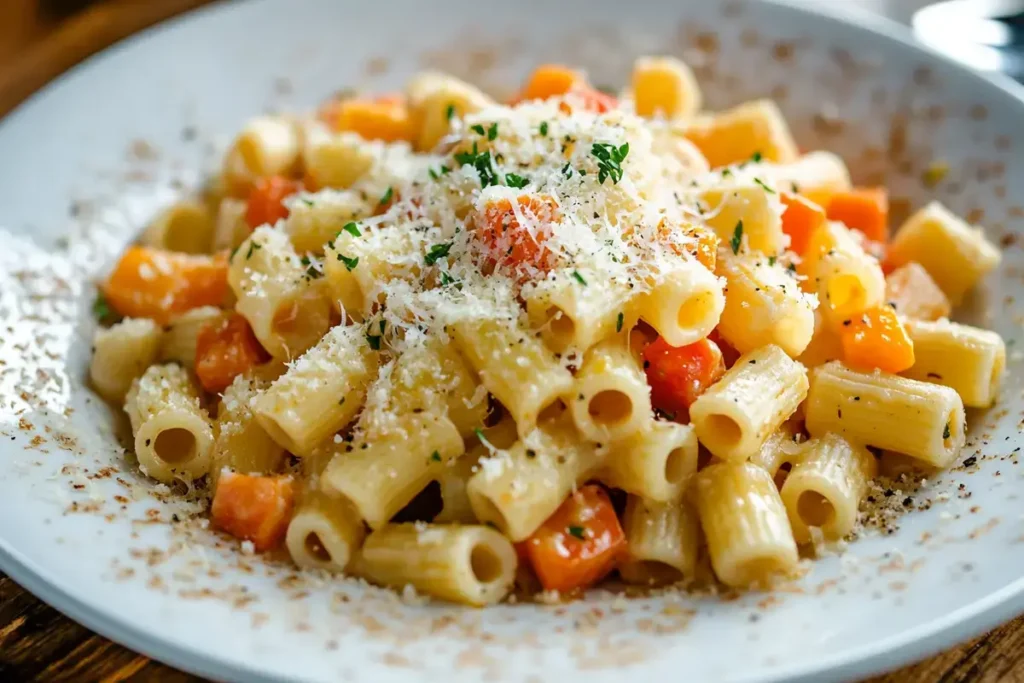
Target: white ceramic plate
(90, 158)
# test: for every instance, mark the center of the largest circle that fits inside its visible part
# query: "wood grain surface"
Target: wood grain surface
(37, 643)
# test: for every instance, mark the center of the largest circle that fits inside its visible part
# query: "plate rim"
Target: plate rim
(910, 646)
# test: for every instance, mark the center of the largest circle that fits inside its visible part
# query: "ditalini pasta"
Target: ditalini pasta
(922, 420)
(438, 341)
(173, 433)
(760, 392)
(664, 541)
(826, 486)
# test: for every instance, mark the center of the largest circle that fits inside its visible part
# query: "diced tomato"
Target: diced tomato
(800, 219)
(159, 284)
(254, 507)
(579, 544)
(498, 227)
(224, 350)
(678, 375)
(266, 200)
(877, 339)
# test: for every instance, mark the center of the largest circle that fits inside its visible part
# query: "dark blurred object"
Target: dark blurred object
(40, 39)
(987, 35)
(62, 9)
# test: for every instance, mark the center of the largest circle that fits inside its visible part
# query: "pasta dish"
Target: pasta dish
(435, 340)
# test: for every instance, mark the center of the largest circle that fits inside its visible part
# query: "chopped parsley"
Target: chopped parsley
(437, 252)
(771, 260)
(492, 131)
(307, 202)
(350, 261)
(576, 532)
(516, 181)
(544, 128)
(726, 172)
(609, 160)
(435, 456)
(312, 273)
(480, 434)
(756, 156)
(447, 279)
(763, 186)
(478, 129)
(352, 229)
(737, 237)
(618, 322)
(436, 175)
(481, 161)
(387, 196)
(253, 246)
(449, 112)
(579, 278)
(100, 307)
(567, 170)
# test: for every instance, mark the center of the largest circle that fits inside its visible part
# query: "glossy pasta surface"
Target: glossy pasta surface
(431, 339)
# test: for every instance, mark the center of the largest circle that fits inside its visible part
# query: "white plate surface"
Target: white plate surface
(89, 159)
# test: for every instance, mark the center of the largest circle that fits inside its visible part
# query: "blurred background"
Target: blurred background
(39, 39)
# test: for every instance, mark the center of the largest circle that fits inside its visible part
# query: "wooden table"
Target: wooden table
(39, 643)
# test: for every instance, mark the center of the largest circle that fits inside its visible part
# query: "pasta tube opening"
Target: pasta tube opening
(815, 509)
(175, 445)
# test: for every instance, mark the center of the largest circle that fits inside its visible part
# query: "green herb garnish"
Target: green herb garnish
(481, 161)
(492, 132)
(544, 128)
(435, 456)
(763, 186)
(576, 532)
(756, 156)
(618, 322)
(737, 237)
(579, 278)
(609, 160)
(437, 252)
(350, 261)
(100, 307)
(449, 112)
(387, 196)
(478, 129)
(771, 260)
(516, 181)
(252, 247)
(352, 229)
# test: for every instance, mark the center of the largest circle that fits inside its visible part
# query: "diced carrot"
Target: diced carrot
(224, 350)
(330, 112)
(593, 100)
(548, 80)
(158, 284)
(678, 375)
(877, 339)
(266, 200)
(511, 243)
(384, 118)
(800, 219)
(254, 507)
(863, 208)
(579, 543)
(729, 354)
